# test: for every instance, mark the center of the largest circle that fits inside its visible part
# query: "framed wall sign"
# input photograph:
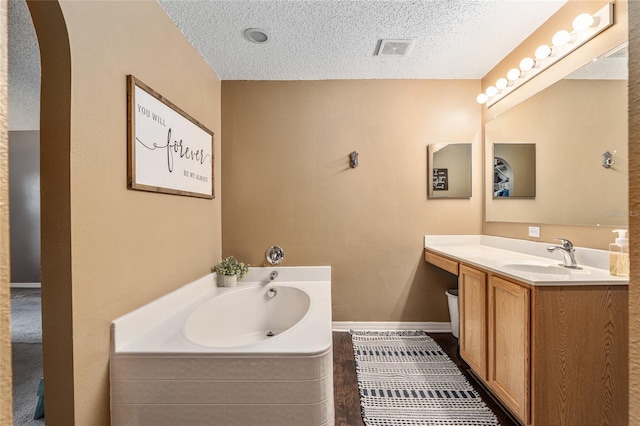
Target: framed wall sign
(440, 179)
(168, 150)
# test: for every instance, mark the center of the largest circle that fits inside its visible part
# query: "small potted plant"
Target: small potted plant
(231, 270)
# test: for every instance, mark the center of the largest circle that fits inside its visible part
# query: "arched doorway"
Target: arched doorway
(502, 178)
(55, 104)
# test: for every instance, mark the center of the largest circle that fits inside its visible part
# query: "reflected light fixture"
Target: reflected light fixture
(584, 27)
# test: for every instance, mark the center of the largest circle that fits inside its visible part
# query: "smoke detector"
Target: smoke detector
(394, 47)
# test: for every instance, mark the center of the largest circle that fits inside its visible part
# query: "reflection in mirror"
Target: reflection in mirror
(572, 124)
(514, 170)
(449, 169)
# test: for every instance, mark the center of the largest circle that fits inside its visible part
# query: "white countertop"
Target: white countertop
(525, 261)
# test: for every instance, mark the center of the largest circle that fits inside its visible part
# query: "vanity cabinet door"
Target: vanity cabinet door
(509, 345)
(472, 288)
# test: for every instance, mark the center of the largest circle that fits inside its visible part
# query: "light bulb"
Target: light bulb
(526, 64)
(561, 38)
(543, 52)
(491, 91)
(502, 83)
(513, 74)
(583, 21)
(482, 98)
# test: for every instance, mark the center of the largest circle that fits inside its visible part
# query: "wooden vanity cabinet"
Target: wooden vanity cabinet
(472, 305)
(509, 345)
(495, 336)
(553, 355)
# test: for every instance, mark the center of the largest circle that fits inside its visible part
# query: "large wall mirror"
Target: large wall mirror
(449, 167)
(572, 123)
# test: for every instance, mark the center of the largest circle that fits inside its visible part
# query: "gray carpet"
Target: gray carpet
(26, 343)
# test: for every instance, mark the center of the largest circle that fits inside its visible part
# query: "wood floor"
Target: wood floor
(345, 381)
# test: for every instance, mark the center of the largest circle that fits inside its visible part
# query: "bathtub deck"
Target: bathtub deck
(345, 381)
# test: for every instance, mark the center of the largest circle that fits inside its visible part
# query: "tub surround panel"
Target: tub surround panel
(159, 377)
(205, 367)
(149, 367)
(237, 415)
(231, 391)
(147, 390)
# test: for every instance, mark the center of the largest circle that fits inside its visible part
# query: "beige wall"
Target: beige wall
(634, 203)
(119, 248)
(6, 405)
(571, 123)
(586, 236)
(287, 181)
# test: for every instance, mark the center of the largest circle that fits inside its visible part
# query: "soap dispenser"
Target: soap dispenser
(619, 255)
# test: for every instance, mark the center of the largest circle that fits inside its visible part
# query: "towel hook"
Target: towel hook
(607, 159)
(353, 161)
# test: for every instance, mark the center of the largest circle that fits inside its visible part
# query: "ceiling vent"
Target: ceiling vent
(394, 47)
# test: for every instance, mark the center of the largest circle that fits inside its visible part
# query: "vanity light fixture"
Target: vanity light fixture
(502, 83)
(513, 74)
(543, 52)
(526, 64)
(583, 21)
(561, 38)
(585, 27)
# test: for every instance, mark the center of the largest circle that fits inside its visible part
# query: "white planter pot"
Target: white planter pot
(229, 280)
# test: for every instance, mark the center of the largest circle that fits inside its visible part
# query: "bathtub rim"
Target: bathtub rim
(146, 336)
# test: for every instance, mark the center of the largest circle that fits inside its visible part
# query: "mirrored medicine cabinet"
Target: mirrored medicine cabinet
(449, 170)
(569, 127)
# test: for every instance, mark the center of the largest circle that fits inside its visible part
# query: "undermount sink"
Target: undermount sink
(539, 268)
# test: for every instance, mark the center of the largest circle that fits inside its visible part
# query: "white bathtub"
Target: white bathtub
(201, 355)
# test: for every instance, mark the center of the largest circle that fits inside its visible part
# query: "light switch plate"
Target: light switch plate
(534, 231)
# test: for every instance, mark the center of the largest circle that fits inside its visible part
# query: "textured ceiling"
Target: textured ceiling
(332, 39)
(24, 69)
(315, 40)
(614, 66)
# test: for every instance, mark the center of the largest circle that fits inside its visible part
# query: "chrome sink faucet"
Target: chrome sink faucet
(568, 253)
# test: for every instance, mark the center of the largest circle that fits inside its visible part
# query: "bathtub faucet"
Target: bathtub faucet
(273, 275)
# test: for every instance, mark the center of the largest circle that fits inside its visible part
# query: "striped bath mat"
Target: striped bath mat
(406, 379)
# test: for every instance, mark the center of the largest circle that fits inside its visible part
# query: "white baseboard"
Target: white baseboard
(430, 327)
(25, 285)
